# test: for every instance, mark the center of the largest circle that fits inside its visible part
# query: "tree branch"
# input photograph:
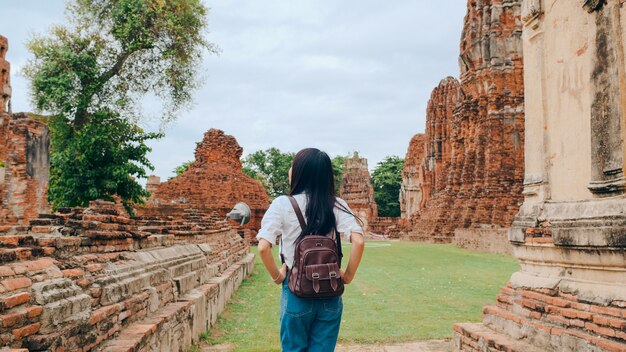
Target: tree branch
(110, 73)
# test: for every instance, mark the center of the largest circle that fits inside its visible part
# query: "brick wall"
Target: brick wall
(95, 279)
(24, 153)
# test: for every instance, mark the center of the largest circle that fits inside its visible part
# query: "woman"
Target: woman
(309, 324)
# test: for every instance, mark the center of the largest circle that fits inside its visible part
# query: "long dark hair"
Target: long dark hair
(312, 174)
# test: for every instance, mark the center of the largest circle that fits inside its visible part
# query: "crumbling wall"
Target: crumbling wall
(356, 189)
(213, 182)
(24, 168)
(95, 279)
(475, 130)
(24, 157)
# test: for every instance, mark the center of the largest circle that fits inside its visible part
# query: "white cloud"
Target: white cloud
(339, 75)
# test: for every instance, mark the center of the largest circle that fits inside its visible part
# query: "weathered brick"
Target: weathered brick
(600, 329)
(6, 271)
(11, 319)
(14, 300)
(16, 283)
(26, 330)
(73, 273)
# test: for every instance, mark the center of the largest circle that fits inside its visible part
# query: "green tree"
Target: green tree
(387, 179)
(92, 76)
(178, 170)
(338, 163)
(105, 156)
(271, 167)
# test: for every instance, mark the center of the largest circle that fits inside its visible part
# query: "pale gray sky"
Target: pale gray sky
(338, 75)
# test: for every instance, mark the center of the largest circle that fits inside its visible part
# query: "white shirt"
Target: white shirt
(281, 218)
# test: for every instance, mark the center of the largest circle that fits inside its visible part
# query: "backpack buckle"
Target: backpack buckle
(316, 275)
(333, 274)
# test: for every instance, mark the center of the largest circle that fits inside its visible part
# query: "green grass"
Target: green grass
(403, 292)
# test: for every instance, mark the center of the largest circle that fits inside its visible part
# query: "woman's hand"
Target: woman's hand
(282, 274)
(346, 279)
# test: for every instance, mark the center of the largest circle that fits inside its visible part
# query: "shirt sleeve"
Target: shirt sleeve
(272, 222)
(346, 222)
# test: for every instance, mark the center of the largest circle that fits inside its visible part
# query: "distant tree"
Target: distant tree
(92, 76)
(98, 161)
(387, 179)
(338, 165)
(178, 170)
(271, 167)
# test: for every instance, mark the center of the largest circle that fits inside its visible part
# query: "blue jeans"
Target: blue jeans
(309, 325)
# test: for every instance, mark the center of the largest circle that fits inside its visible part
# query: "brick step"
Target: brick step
(498, 318)
(478, 337)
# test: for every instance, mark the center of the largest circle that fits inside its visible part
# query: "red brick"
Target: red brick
(23, 253)
(9, 241)
(609, 321)
(100, 314)
(14, 300)
(555, 318)
(73, 273)
(34, 311)
(37, 265)
(94, 267)
(6, 271)
(26, 330)
(16, 283)
(616, 312)
(11, 319)
(599, 329)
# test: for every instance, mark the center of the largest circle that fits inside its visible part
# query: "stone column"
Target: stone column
(570, 234)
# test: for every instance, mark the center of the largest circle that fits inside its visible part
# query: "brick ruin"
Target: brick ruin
(95, 279)
(467, 171)
(569, 235)
(24, 157)
(413, 192)
(356, 189)
(213, 182)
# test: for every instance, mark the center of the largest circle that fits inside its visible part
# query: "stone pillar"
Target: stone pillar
(153, 183)
(412, 192)
(570, 234)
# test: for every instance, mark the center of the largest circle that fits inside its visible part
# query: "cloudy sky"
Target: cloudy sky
(338, 75)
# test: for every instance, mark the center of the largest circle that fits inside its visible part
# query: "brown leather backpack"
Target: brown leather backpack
(317, 259)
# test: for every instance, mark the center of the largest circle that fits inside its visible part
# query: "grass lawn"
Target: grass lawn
(403, 291)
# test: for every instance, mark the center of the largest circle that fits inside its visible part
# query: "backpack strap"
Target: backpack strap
(298, 211)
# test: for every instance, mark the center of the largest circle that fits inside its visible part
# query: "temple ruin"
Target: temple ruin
(570, 292)
(96, 279)
(467, 171)
(413, 193)
(356, 189)
(24, 157)
(213, 182)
